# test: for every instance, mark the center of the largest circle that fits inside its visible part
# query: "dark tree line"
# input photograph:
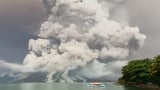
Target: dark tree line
(142, 71)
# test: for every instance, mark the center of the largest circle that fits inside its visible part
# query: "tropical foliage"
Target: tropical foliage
(142, 71)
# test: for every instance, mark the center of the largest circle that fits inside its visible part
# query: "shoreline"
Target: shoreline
(145, 86)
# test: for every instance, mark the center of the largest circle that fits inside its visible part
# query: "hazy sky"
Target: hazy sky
(19, 19)
(146, 15)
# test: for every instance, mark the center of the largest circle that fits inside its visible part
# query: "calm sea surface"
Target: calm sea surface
(46, 86)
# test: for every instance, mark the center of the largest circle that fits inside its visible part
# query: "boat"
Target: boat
(96, 84)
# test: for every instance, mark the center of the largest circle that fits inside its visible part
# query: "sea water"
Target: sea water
(61, 86)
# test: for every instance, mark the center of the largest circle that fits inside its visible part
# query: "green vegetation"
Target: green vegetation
(143, 71)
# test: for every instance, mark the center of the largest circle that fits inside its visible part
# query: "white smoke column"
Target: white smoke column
(78, 32)
(78, 37)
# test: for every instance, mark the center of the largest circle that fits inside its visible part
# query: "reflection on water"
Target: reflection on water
(46, 86)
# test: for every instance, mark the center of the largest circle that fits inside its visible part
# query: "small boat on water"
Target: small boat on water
(96, 84)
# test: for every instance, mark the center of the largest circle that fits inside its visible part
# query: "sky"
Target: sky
(21, 19)
(145, 14)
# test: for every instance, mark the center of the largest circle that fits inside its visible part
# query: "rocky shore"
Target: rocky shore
(147, 86)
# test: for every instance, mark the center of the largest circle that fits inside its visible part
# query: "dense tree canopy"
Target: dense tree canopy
(142, 71)
(155, 69)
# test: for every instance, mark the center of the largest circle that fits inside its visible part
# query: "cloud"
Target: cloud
(79, 36)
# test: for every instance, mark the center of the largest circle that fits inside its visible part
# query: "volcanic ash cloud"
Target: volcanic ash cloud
(78, 41)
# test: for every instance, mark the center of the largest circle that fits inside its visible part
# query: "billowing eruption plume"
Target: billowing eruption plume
(79, 41)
